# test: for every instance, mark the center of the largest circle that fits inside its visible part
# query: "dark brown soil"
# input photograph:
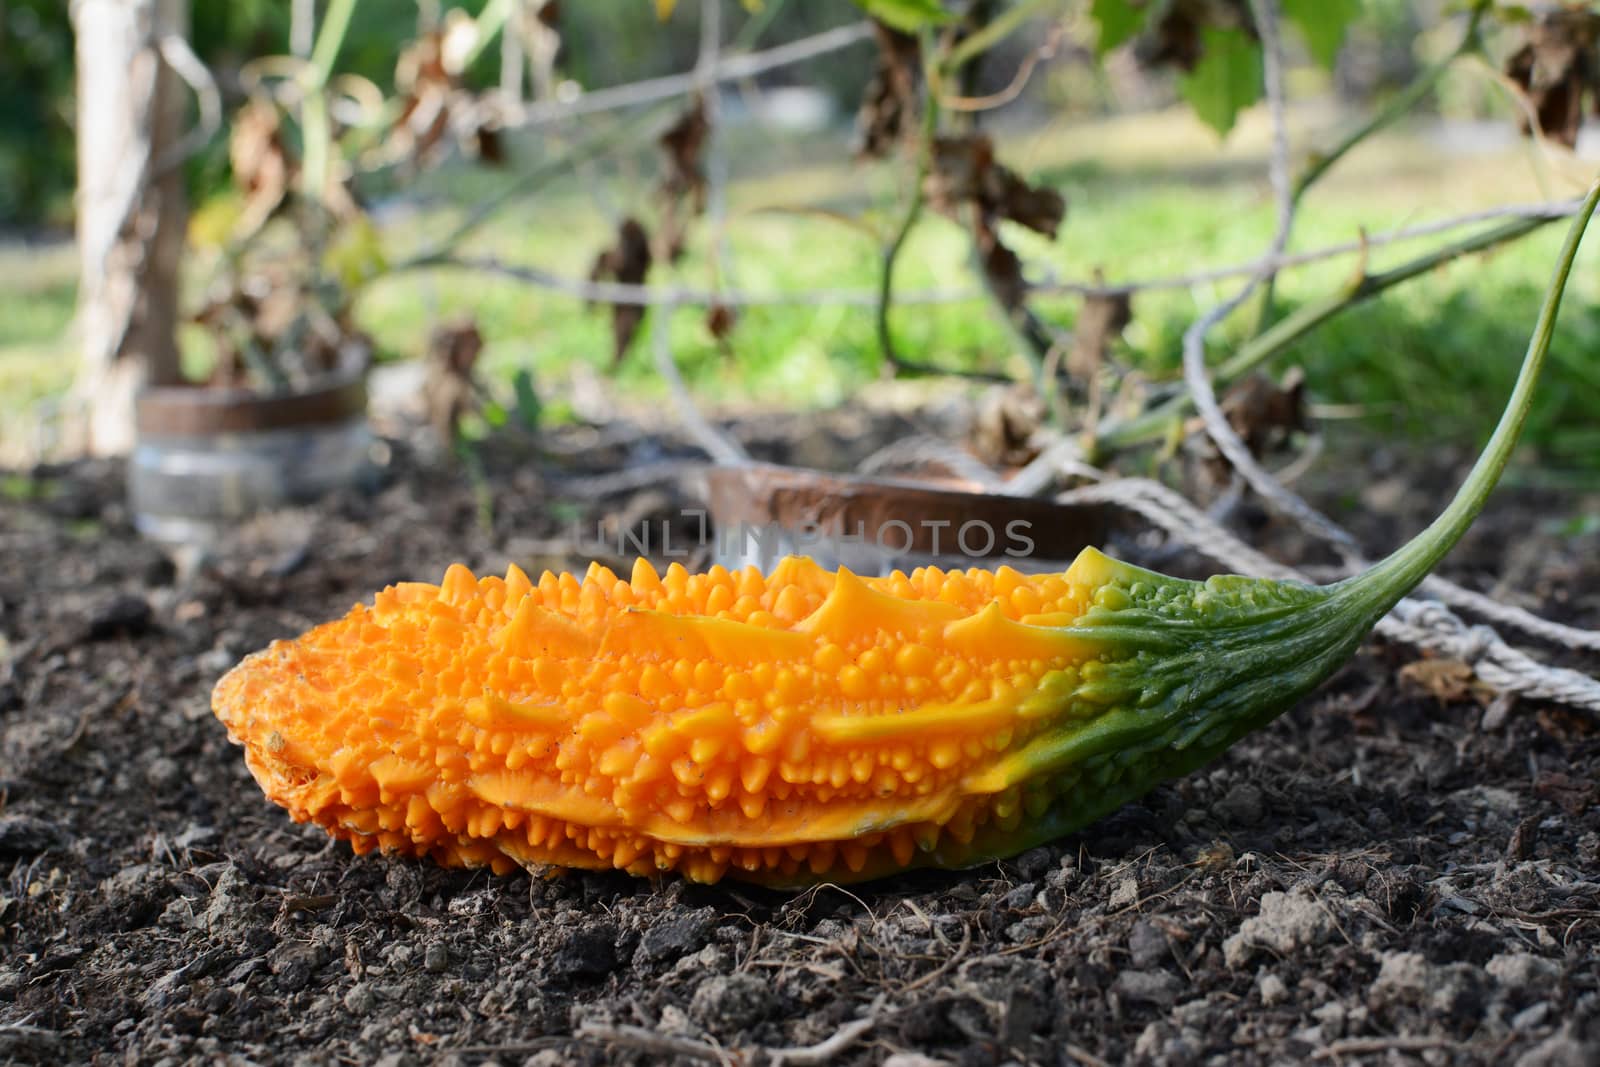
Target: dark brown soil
(1376, 878)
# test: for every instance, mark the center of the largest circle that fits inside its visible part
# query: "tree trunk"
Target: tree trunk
(130, 211)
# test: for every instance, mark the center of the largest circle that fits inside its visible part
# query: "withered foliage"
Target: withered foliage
(262, 167)
(967, 183)
(266, 170)
(1102, 320)
(965, 171)
(720, 322)
(425, 88)
(628, 262)
(451, 386)
(1557, 67)
(683, 179)
(270, 328)
(889, 106)
(1264, 413)
(1006, 431)
(1176, 38)
(1001, 267)
(436, 110)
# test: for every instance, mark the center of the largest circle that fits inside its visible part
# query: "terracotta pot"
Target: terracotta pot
(874, 525)
(207, 458)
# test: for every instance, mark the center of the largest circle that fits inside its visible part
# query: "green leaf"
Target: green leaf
(1226, 80)
(1322, 23)
(529, 410)
(1119, 20)
(907, 16)
(355, 255)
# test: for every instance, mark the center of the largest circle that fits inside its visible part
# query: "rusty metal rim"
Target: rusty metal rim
(794, 497)
(200, 411)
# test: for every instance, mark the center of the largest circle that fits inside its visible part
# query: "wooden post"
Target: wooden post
(130, 211)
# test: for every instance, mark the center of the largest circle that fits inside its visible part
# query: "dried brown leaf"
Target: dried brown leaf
(1006, 430)
(965, 171)
(262, 168)
(270, 326)
(889, 105)
(1447, 681)
(720, 321)
(628, 262)
(436, 111)
(1176, 38)
(683, 144)
(1002, 269)
(450, 384)
(1102, 320)
(967, 183)
(683, 180)
(1264, 413)
(424, 86)
(1557, 67)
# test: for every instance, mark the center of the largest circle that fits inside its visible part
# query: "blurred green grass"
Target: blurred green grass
(1149, 196)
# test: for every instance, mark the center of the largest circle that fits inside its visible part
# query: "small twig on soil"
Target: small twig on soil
(1084, 1056)
(631, 479)
(637, 1037)
(1360, 1046)
(825, 1050)
(944, 968)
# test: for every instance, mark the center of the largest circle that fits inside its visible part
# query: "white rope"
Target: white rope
(1509, 615)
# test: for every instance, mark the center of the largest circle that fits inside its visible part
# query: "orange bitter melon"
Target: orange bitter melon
(799, 725)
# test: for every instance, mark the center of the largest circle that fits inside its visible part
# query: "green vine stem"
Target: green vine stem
(317, 129)
(1024, 328)
(1376, 590)
(1400, 105)
(1156, 424)
(996, 31)
(913, 212)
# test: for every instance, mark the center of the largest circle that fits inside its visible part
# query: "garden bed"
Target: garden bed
(1378, 877)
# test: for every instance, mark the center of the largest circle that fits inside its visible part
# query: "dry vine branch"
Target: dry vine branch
(652, 296)
(1201, 392)
(722, 448)
(1396, 108)
(656, 90)
(1156, 422)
